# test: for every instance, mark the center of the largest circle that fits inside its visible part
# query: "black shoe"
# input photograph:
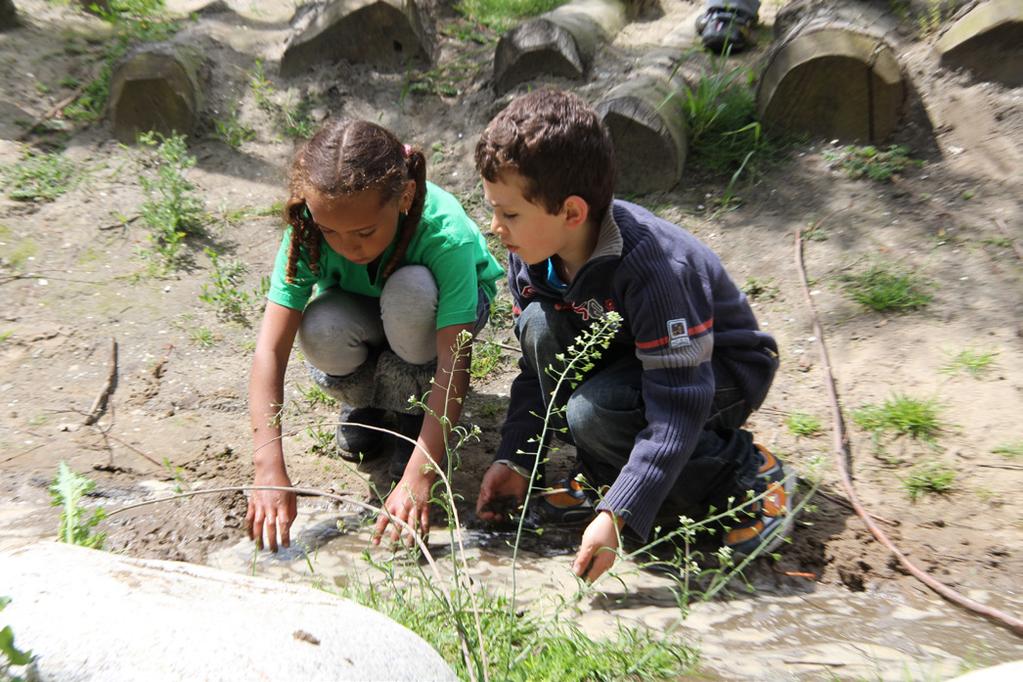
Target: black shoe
(724, 29)
(409, 425)
(356, 443)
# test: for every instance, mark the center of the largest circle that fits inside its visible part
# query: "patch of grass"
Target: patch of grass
(40, 177)
(324, 442)
(446, 80)
(930, 477)
(67, 491)
(172, 210)
(222, 292)
(231, 131)
(803, 424)
(202, 337)
(1000, 242)
(486, 357)
(501, 15)
(972, 362)
(275, 210)
(884, 288)
(901, 415)
(291, 119)
(1012, 449)
(760, 289)
(21, 253)
(868, 161)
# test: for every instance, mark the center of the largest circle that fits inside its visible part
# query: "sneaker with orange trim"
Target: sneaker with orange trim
(771, 515)
(564, 504)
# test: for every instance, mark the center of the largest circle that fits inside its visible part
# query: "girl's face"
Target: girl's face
(359, 226)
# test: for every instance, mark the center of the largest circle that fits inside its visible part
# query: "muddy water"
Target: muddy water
(786, 629)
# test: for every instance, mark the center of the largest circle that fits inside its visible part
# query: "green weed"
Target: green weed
(67, 491)
(884, 288)
(314, 395)
(40, 177)
(177, 474)
(724, 135)
(5, 335)
(501, 311)
(901, 415)
(323, 442)
(501, 15)
(1012, 450)
(760, 289)
(803, 424)
(223, 293)
(486, 358)
(231, 131)
(446, 80)
(172, 210)
(202, 337)
(930, 477)
(12, 655)
(974, 363)
(869, 161)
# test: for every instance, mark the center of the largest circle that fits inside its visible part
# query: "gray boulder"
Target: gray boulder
(92, 615)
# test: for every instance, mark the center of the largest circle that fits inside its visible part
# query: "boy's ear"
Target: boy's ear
(575, 210)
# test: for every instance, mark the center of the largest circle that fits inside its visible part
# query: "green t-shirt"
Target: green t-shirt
(447, 242)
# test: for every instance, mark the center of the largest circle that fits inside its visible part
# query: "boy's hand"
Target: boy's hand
(273, 510)
(408, 502)
(599, 547)
(500, 489)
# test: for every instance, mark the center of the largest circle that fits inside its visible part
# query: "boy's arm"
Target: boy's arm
(672, 321)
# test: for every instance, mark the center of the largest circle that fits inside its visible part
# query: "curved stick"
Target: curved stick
(842, 456)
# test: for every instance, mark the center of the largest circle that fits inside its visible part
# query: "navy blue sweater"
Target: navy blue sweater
(680, 311)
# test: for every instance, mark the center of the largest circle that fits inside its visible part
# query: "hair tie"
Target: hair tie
(407, 149)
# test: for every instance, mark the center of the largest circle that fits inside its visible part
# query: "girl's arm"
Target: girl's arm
(274, 510)
(410, 499)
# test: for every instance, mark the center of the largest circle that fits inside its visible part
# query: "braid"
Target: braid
(416, 163)
(303, 233)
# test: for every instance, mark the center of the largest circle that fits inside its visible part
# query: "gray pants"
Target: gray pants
(376, 352)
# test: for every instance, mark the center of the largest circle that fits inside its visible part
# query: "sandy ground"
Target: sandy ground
(71, 280)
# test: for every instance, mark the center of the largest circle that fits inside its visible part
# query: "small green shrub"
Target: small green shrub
(760, 289)
(1011, 450)
(883, 288)
(901, 415)
(231, 131)
(67, 491)
(314, 395)
(974, 363)
(869, 161)
(222, 292)
(501, 15)
(486, 357)
(803, 424)
(40, 177)
(292, 120)
(930, 477)
(172, 210)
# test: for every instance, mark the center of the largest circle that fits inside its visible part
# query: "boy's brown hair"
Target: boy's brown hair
(558, 144)
(342, 158)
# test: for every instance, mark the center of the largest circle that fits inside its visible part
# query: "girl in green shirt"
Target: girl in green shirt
(377, 275)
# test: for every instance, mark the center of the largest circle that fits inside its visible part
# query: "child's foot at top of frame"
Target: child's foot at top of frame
(770, 518)
(726, 30)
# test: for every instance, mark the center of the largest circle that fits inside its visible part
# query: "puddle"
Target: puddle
(779, 632)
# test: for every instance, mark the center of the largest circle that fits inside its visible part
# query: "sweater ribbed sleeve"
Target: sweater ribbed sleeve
(670, 310)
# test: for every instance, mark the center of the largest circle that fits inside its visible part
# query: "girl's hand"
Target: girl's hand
(599, 547)
(408, 502)
(501, 491)
(271, 510)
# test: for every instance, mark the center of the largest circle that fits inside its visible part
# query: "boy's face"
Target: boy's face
(525, 228)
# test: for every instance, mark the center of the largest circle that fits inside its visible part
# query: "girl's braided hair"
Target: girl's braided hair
(345, 157)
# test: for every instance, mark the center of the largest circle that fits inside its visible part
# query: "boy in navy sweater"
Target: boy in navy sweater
(656, 423)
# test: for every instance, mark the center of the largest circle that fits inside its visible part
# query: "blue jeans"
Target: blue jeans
(605, 412)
